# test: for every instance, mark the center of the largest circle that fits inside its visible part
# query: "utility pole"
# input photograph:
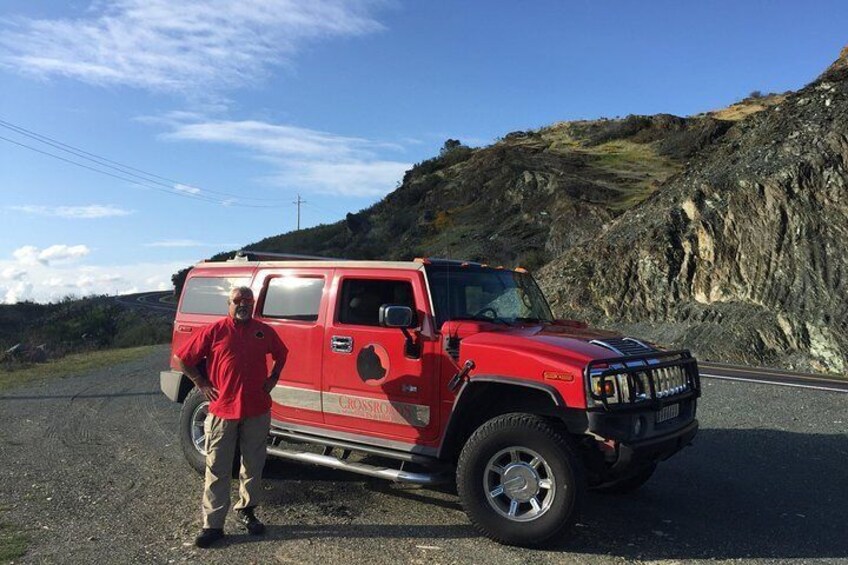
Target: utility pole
(298, 202)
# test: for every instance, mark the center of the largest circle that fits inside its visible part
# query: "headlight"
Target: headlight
(614, 388)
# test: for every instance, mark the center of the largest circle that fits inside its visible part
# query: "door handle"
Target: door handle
(341, 344)
(184, 329)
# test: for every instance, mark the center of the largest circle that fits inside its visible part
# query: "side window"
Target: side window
(293, 298)
(361, 299)
(209, 295)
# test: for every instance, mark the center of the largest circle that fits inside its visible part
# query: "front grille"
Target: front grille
(668, 381)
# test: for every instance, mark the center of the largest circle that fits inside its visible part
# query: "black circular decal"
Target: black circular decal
(260, 335)
(372, 364)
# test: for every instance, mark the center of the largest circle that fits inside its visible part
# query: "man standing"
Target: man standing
(238, 390)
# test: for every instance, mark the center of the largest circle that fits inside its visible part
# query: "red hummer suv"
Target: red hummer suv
(455, 371)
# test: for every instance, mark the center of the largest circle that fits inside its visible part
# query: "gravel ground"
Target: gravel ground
(90, 468)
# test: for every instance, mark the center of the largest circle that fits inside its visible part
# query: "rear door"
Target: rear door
(292, 301)
(370, 385)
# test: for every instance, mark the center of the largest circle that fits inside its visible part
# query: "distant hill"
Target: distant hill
(521, 201)
(721, 232)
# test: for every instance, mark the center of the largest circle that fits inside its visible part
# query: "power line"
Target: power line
(125, 170)
(103, 161)
(24, 145)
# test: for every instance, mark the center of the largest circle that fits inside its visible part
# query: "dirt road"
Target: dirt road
(90, 468)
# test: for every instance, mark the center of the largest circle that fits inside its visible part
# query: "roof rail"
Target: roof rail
(251, 255)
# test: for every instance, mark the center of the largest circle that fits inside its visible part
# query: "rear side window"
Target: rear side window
(209, 295)
(293, 298)
(362, 298)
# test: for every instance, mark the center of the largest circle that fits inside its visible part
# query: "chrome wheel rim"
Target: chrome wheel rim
(519, 484)
(198, 430)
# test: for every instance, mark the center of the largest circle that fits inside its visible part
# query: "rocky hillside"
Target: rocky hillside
(741, 256)
(720, 232)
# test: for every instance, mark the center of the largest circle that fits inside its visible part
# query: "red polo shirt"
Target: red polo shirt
(236, 362)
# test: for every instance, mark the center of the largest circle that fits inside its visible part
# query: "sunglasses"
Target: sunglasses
(242, 301)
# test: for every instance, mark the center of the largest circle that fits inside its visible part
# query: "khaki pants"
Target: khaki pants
(222, 436)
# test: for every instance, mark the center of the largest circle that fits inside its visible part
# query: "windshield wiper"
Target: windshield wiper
(533, 320)
(482, 319)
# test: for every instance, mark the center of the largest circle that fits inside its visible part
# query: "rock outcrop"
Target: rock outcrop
(742, 256)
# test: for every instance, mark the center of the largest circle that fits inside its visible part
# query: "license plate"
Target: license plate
(668, 412)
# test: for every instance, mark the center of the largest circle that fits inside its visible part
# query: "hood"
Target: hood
(557, 345)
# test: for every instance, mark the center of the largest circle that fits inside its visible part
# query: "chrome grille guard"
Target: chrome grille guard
(649, 380)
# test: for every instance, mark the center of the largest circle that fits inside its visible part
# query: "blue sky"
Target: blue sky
(237, 107)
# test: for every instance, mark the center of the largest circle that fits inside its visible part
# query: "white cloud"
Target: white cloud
(92, 211)
(32, 255)
(346, 178)
(16, 292)
(272, 139)
(303, 158)
(13, 273)
(186, 188)
(186, 46)
(49, 282)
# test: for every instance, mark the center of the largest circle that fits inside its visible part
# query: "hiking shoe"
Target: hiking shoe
(250, 522)
(208, 536)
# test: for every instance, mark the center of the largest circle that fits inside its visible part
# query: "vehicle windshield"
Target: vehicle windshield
(475, 293)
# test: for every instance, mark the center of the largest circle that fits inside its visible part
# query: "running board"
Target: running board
(289, 435)
(361, 468)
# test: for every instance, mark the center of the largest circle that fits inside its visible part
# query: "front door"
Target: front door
(372, 383)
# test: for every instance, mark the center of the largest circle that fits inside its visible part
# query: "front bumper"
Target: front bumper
(169, 382)
(638, 439)
(656, 448)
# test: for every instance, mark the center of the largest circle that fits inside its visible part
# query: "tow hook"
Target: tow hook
(457, 379)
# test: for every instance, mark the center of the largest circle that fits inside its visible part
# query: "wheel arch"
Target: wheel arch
(185, 387)
(487, 396)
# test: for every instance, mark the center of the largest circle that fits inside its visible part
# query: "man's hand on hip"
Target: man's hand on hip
(208, 391)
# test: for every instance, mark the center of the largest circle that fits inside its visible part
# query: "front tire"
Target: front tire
(519, 481)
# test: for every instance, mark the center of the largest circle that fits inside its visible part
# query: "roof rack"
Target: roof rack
(451, 262)
(251, 255)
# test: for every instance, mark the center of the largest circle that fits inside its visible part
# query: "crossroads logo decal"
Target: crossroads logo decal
(372, 364)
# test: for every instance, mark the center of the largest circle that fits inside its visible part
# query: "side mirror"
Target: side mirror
(393, 316)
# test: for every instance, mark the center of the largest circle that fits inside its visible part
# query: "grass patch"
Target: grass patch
(13, 543)
(745, 108)
(71, 364)
(638, 168)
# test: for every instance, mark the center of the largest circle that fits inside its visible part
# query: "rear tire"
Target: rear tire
(193, 435)
(519, 481)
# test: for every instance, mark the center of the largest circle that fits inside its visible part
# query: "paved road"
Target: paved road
(774, 376)
(90, 467)
(149, 300)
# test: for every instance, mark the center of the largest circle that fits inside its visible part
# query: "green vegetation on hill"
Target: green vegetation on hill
(74, 325)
